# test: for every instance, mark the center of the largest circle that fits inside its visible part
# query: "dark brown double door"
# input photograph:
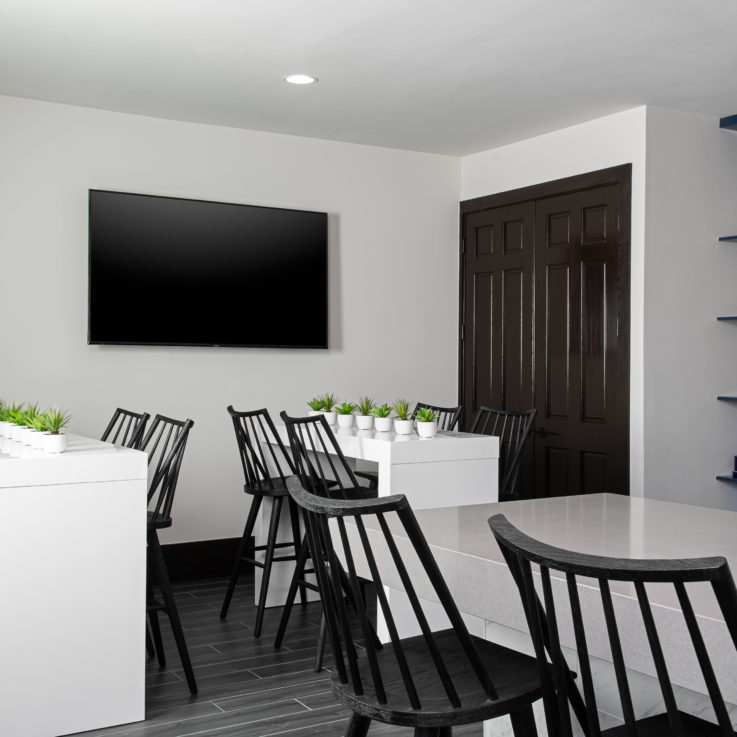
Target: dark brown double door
(545, 324)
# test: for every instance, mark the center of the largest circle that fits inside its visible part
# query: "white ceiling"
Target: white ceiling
(445, 76)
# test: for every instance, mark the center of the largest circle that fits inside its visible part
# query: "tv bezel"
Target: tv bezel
(90, 341)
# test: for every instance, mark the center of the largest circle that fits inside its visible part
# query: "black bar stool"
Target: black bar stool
(431, 682)
(513, 429)
(126, 428)
(321, 467)
(548, 616)
(165, 443)
(266, 466)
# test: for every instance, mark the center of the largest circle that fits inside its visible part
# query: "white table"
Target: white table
(457, 467)
(602, 524)
(73, 577)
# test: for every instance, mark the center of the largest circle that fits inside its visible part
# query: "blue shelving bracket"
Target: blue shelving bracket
(728, 239)
(727, 398)
(724, 477)
(729, 123)
(727, 318)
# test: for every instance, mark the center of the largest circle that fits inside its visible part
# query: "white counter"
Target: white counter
(73, 572)
(453, 466)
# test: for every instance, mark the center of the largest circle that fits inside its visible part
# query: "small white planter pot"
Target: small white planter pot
(330, 417)
(4, 424)
(427, 429)
(314, 412)
(26, 435)
(383, 424)
(403, 427)
(37, 441)
(55, 443)
(364, 422)
(345, 421)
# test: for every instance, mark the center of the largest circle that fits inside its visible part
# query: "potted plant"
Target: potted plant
(56, 420)
(382, 417)
(15, 418)
(315, 405)
(328, 408)
(345, 414)
(427, 422)
(403, 422)
(29, 413)
(38, 423)
(364, 418)
(3, 418)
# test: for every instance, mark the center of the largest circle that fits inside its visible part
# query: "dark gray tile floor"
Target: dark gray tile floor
(246, 688)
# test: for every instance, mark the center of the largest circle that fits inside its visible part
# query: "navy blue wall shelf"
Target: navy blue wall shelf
(727, 478)
(730, 122)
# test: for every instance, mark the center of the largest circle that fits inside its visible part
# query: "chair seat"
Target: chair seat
(158, 522)
(515, 675)
(278, 488)
(658, 726)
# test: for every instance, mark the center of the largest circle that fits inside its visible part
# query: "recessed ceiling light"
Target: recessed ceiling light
(300, 79)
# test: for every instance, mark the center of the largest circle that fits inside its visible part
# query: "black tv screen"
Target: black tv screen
(170, 271)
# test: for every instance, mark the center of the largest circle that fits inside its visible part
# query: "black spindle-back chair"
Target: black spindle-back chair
(323, 469)
(431, 681)
(266, 466)
(545, 618)
(513, 429)
(165, 443)
(126, 428)
(447, 416)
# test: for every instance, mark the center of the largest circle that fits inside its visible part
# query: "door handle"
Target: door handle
(541, 432)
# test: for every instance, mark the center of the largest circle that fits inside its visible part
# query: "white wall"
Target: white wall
(393, 280)
(597, 144)
(690, 358)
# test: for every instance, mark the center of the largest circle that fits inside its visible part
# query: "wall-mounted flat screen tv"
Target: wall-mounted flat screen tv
(170, 271)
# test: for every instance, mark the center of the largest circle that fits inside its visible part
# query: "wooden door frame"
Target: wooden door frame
(621, 176)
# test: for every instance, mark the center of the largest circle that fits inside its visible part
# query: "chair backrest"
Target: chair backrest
(335, 560)
(513, 428)
(126, 428)
(447, 416)
(546, 622)
(262, 452)
(165, 442)
(318, 460)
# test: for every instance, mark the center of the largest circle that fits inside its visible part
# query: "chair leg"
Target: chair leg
(150, 650)
(153, 617)
(268, 560)
(358, 726)
(523, 722)
(247, 531)
(297, 539)
(158, 643)
(298, 574)
(171, 608)
(320, 654)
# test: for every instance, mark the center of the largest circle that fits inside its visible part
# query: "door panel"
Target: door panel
(498, 281)
(544, 314)
(577, 347)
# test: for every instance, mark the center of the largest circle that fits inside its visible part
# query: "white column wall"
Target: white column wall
(690, 357)
(393, 244)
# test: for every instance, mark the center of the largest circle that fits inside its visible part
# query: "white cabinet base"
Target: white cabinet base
(73, 572)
